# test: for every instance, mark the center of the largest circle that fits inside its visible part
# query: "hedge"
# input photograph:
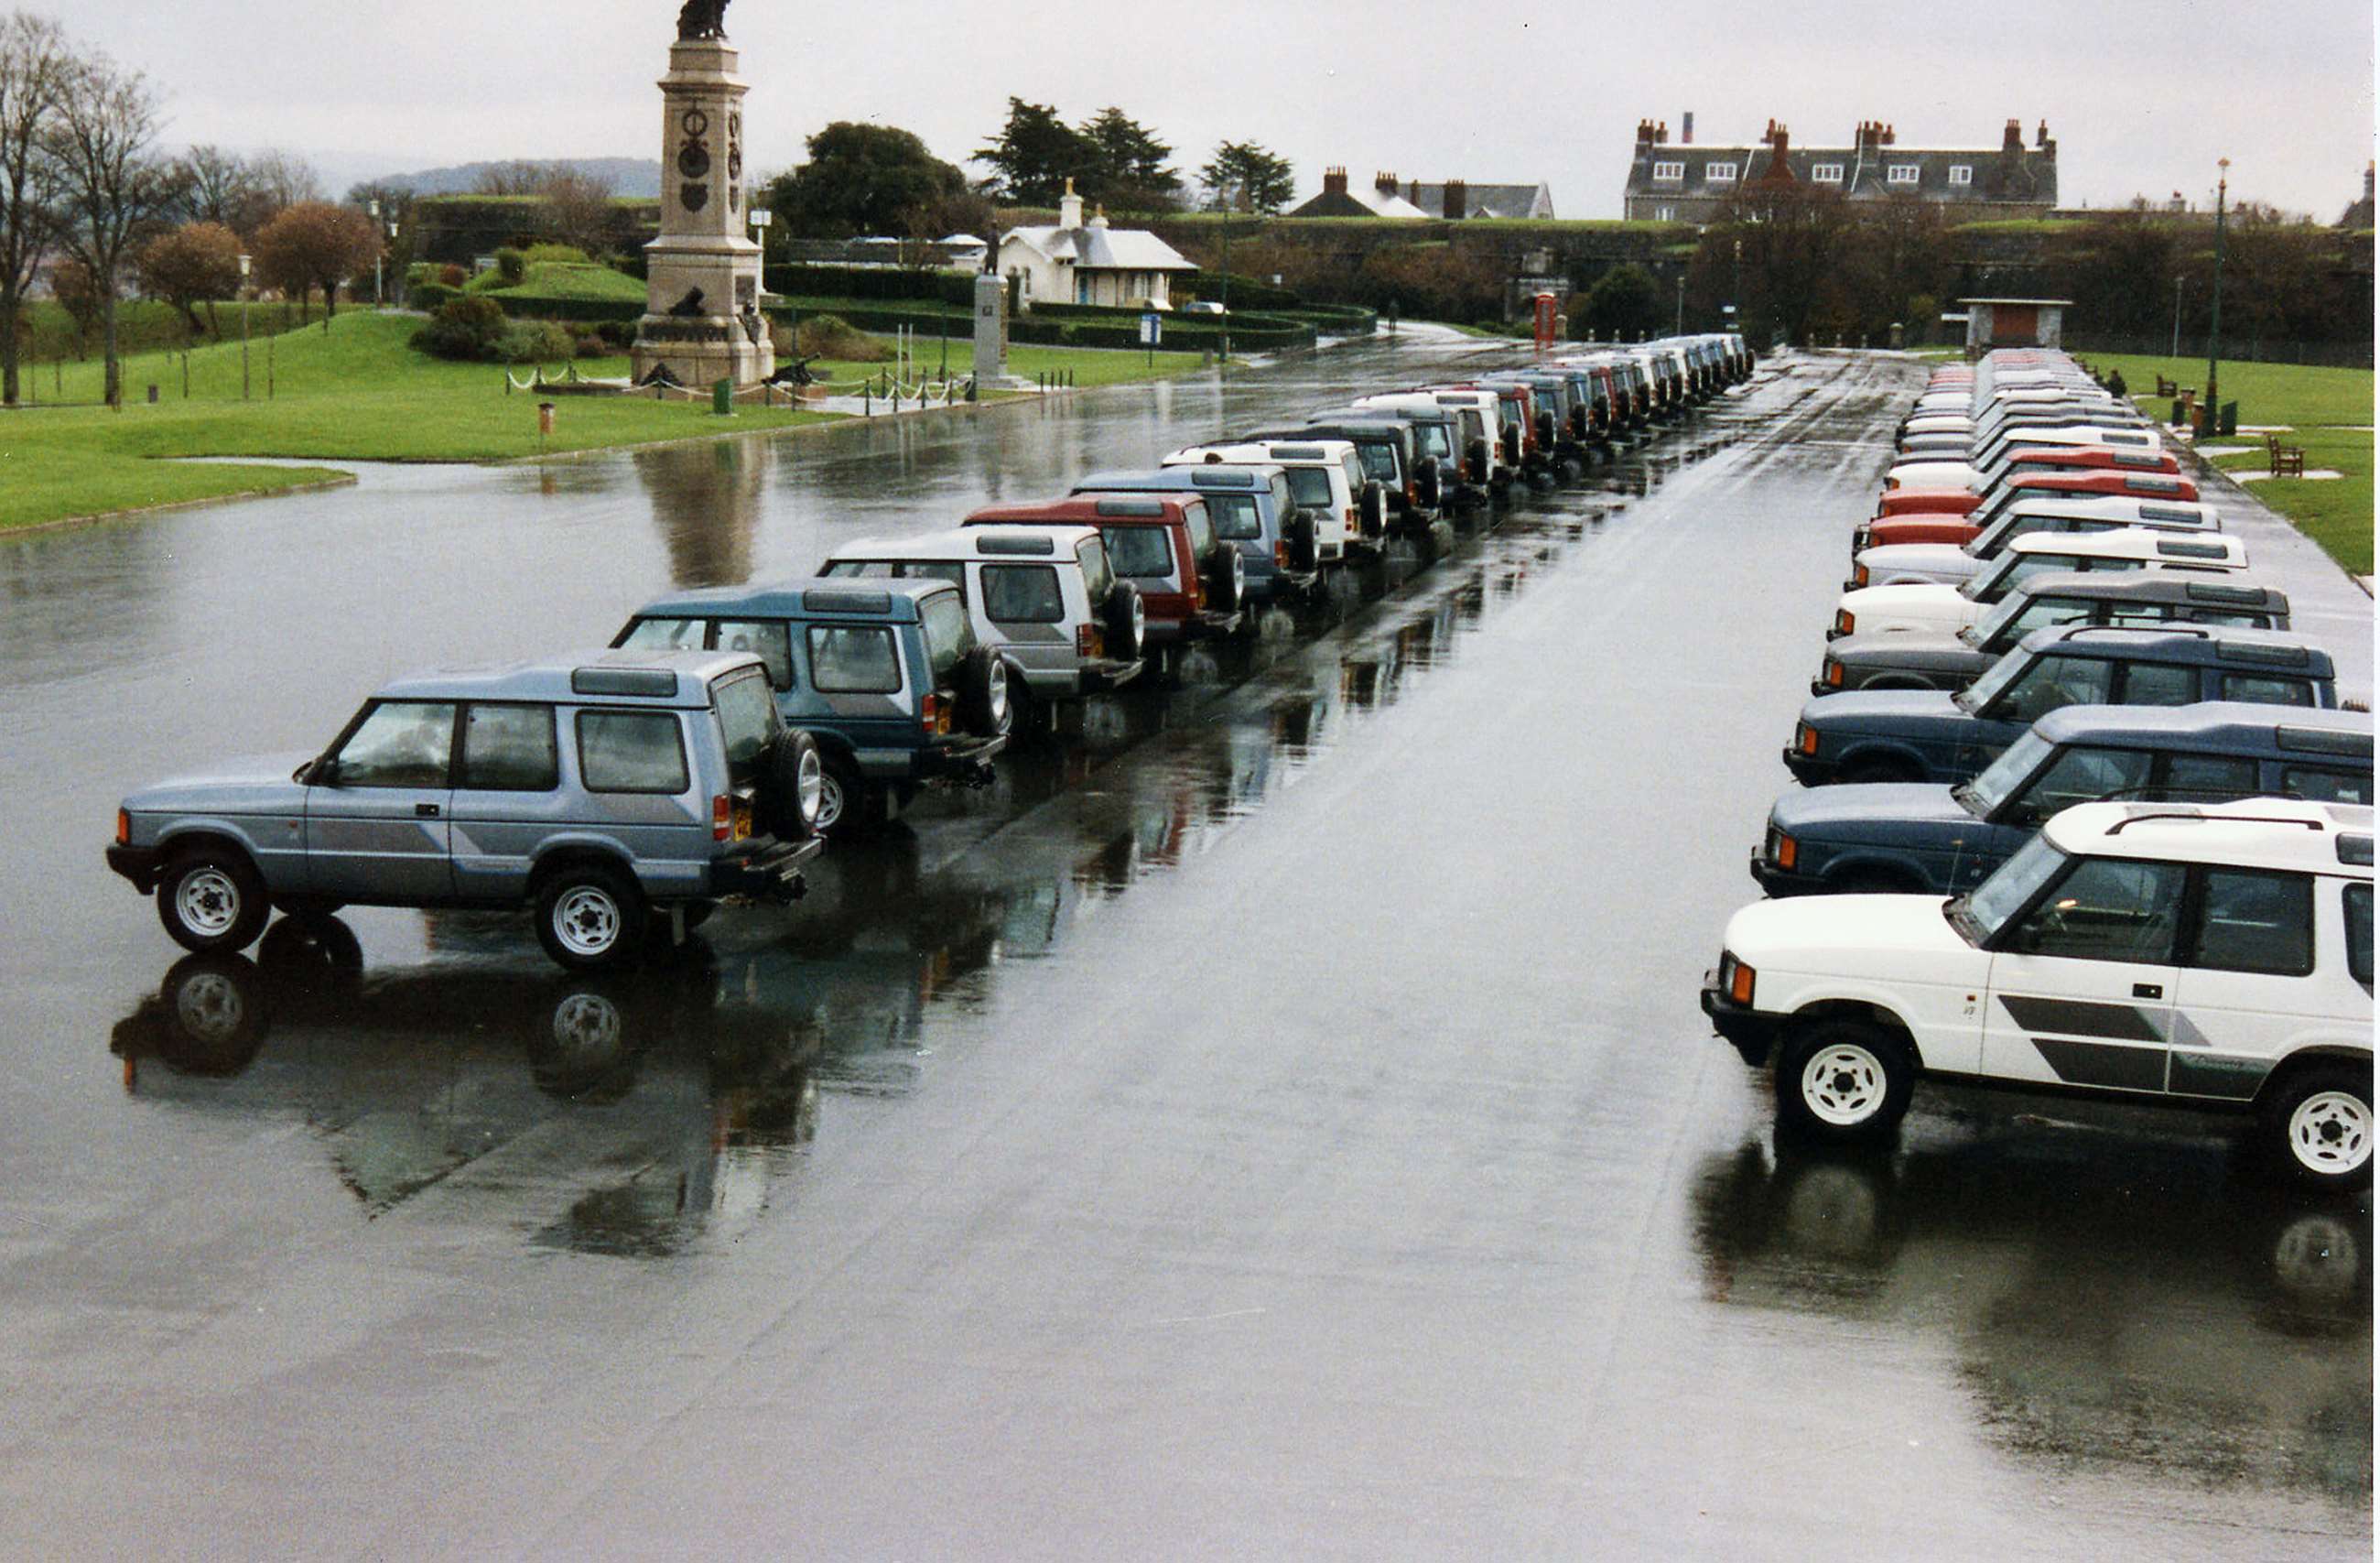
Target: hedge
(1046, 328)
(871, 282)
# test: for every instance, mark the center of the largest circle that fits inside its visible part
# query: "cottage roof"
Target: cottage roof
(1102, 248)
(1485, 201)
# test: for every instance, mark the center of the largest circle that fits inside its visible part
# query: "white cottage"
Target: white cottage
(1079, 263)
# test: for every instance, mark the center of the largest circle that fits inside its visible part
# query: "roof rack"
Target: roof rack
(2148, 817)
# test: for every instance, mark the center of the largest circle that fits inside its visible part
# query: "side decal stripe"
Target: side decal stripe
(2074, 1017)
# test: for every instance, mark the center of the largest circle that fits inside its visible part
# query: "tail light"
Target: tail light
(1412, 492)
(933, 714)
(1844, 621)
(1280, 556)
(1834, 673)
(123, 828)
(1805, 738)
(1087, 641)
(1351, 518)
(722, 817)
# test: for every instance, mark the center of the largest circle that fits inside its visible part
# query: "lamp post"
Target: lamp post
(2215, 317)
(1681, 329)
(378, 302)
(1735, 286)
(2177, 319)
(243, 326)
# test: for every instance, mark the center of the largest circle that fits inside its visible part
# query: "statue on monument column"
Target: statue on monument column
(701, 19)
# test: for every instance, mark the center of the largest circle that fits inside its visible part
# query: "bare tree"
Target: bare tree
(223, 186)
(33, 62)
(284, 180)
(578, 209)
(103, 134)
(518, 178)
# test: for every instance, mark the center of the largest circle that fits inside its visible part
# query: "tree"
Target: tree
(517, 177)
(1264, 182)
(101, 134)
(577, 209)
(1035, 153)
(185, 265)
(1798, 244)
(72, 285)
(1128, 165)
(860, 179)
(316, 244)
(221, 187)
(1625, 302)
(33, 65)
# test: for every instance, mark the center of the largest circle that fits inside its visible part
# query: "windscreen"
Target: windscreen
(2001, 897)
(1993, 785)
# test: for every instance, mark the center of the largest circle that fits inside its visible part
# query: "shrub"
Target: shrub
(464, 328)
(511, 265)
(452, 275)
(535, 341)
(831, 336)
(617, 335)
(590, 346)
(431, 296)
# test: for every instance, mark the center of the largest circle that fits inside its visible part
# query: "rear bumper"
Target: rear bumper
(138, 864)
(774, 873)
(1105, 673)
(1207, 624)
(968, 758)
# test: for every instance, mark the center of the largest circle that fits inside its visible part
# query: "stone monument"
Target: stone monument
(702, 319)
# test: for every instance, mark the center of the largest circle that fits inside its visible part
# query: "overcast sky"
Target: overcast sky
(2142, 98)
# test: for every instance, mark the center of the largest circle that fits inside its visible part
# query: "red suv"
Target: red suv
(1191, 583)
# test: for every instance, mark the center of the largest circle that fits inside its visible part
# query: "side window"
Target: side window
(2263, 689)
(2207, 779)
(509, 749)
(2252, 922)
(2107, 909)
(1022, 594)
(667, 634)
(2082, 775)
(2326, 787)
(2359, 933)
(402, 743)
(631, 751)
(936, 569)
(2159, 683)
(2055, 682)
(857, 570)
(854, 660)
(2232, 618)
(769, 638)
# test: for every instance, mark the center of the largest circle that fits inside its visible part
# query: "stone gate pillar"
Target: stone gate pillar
(702, 293)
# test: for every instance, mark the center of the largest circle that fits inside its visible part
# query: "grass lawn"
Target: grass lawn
(563, 280)
(2329, 412)
(358, 392)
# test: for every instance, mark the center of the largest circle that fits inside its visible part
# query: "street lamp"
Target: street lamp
(1225, 195)
(378, 302)
(243, 327)
(2215, 317)
(2177, 319)
(1681, 330)
(1735, 287)
(761, 217)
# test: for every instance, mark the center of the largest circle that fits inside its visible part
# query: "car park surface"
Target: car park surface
(1060, 1212)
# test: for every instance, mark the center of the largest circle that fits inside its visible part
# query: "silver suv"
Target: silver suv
(602, 790)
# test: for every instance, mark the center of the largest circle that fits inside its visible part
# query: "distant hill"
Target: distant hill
(631, 176)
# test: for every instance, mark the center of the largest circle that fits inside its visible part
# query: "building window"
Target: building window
(1961, 173)
(1900, 174)
(1664, 213)
(1826, 172)
(1672, 172)
(1719, 173)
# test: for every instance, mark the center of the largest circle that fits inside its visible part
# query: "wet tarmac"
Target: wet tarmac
(1275, 1122)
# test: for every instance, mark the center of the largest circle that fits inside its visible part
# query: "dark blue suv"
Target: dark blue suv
(1932, 839)
(886, 674)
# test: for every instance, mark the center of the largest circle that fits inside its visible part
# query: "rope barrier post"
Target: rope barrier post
(867, 400)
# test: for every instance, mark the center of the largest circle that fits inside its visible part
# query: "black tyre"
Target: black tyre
(1226, 581)
(792, 774)
(211, 899)
(591, 918)
(1125, 622)
(1298, 532)
(1475, 461)
(2319, 1125)
(1545, 428)
(1511, 440)
(1372, 511)
(843, 799)
(1429, 484)
(983, 693)
(1843, 1080)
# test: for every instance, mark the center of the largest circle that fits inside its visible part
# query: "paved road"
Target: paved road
(1279, 1126)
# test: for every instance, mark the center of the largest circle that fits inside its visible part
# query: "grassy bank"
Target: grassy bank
(2329, 412)
(358, 392)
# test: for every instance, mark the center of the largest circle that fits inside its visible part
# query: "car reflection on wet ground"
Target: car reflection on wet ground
(1271, 1119)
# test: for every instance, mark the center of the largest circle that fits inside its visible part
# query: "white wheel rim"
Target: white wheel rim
(1139, 619)
(210, 1008)
(1844, 1084)
(2331, 1133)
(587, 921)
(585, 1024)
(830, 801)
(208, 902)
(810, 786)
(995, 691)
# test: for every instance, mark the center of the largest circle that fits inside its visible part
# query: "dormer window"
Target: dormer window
(1900, 174)
(1826, 172)
(1669, 173)
(1719, 173)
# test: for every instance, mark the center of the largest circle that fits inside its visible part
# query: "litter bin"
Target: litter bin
(722, 397)
(2228, 422)
(544, 418)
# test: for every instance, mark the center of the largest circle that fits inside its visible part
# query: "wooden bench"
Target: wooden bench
(2167, 388)
(2288, 460)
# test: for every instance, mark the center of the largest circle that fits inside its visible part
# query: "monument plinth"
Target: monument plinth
(703, 318)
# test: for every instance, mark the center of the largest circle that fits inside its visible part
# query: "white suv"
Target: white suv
(2206, 956)
(1326, 478)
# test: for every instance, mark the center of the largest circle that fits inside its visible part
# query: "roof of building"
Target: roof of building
(1097, 247)
(2026, 174)
(1485, 201)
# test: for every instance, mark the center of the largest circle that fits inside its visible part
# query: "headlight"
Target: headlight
(1859, 575)
(1783, 851)
(1735, 979)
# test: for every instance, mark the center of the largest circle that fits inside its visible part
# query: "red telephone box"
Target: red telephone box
(1546, 320)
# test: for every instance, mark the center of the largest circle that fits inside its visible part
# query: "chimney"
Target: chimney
(2041, 134)
(1099, 217)
(1889, 136)
(2012, 139)
(1458, 199)
(1386, 184)
(1334, 181)
(1661, 132)
(1686, 129)
(1644, 132)
(1070, 208)
(1863, 139)
(1413, 192)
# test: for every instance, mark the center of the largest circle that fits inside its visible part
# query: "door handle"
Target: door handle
(425, 811)
(2148, 990)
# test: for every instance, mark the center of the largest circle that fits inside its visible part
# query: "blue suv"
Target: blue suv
(886, 676)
